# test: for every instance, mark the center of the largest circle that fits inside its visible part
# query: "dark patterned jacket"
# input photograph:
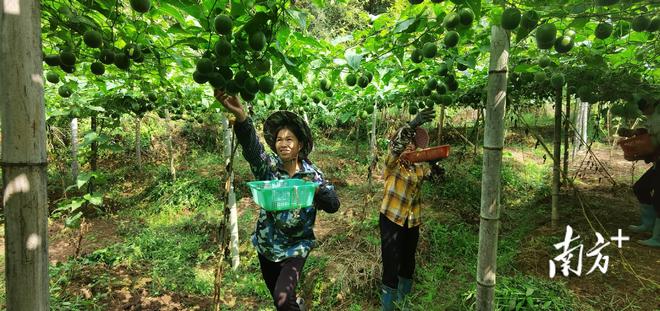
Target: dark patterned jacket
(283, 234)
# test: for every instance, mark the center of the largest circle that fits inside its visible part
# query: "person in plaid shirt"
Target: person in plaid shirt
(400, 212)
(282, 239)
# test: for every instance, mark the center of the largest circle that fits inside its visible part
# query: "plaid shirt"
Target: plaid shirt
(403, 181)
(283, 234)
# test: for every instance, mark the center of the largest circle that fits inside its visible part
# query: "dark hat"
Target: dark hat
(298, 126)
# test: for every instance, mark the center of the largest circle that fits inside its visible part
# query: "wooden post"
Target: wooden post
(556, 163)
(74, 149)
(492, 172)
(93, 160)
(233, 214)
(23, 156)
(372, 144)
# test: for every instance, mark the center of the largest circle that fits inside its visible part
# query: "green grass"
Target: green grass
(168, 228)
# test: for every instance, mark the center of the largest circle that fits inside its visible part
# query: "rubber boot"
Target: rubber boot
(404, 288)
(301, 303)
(654, 241)
(387, 296)
(647, 216)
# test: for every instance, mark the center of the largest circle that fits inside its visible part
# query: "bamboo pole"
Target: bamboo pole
(93, 161)
(25, 201)
(556, 163)
(491, 174)
(74, 149)
(441, 123)
(233, 213)
(567, 134)
(373, 155)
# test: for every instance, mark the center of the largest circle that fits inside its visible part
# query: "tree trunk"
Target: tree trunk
(138, 144)
(374, 120)
(74, 149)
(492, 163)
(441, 122)
(95, 154)
(556, 163)
(24, 156)
(233, 214)
(567, 120)
(372, 144)
(170, 149)
(581, 122)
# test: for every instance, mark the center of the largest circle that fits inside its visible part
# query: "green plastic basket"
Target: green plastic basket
(283, 194)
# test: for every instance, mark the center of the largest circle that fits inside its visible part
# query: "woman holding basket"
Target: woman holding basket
(647, 188)
(283, 239)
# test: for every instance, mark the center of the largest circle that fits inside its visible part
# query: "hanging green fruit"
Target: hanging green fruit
(510, 18)
(93, 38)
(529, 19)
(97, 68)
(223, 24)
(603, 30)
(53, 77)
(466, 16)
(141, 6)
(451, 39)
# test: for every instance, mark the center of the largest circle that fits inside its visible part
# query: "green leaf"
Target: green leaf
(94, 198)
(75, 204)
(475, 5)
(172, 11)
(581, 7)
(300, 17)
(319, 3)
(96, 108)
(404, 25)
(283, 34)
(380, 22)
(353, 59)
(526, 68)
(73, 221)
(83, 178)
(529, 291)
(530, 302)
(89, 138)
(215, 105)
(578, 23)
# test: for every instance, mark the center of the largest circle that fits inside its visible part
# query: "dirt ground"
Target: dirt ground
(596, 204)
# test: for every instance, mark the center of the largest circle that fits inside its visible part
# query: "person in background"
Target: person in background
(647, 188)
(400, 212)
(283, 239)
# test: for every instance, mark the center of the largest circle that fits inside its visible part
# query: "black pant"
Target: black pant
(397, 245)
(647, 188)
(281, 279)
